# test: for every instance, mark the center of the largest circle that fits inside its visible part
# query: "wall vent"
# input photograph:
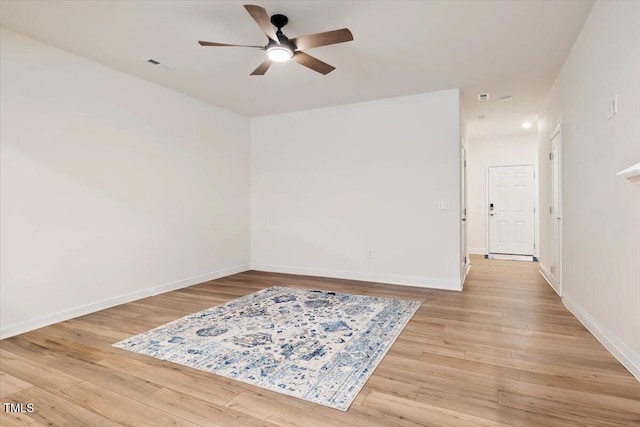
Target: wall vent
(153, 61)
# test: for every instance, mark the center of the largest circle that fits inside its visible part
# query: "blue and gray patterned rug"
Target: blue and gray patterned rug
(315, 345)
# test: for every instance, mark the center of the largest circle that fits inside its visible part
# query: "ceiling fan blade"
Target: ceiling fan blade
(203, 43)
(259, 14)
(323, 39)
(262, 68)
(311, 62)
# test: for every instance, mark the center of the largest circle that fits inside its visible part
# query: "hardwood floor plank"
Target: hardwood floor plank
(281, 414)
(37, 343)
(559, 394)
(32, 372)
(10, 384)
(51, 409)
(114, 380)
(363, 416)
(8, 419)
(193, 384)
(118, 408)
(422, 413)
(490, 409)
(574, 371)
(199, 411)
(569, 412)
(393, 387)
(464, 384)
(614, 387)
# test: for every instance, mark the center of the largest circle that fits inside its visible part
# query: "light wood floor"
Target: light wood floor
(503, 352)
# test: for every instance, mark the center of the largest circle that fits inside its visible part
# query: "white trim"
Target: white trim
(393, 279)
(479, 251)
(616, 347)
(546, 274)
(510, 257)
(466, 273)
(49, 319)
(486, 210)
(558, 210)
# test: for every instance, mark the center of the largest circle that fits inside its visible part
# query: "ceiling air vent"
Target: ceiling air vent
(155, 62)
(483, 97)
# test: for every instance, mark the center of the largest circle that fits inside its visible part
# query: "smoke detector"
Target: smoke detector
(483, 97)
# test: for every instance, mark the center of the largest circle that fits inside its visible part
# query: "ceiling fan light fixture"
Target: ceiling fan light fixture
(279, 53)
(280, 49)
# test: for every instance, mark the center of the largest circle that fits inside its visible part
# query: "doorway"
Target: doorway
(511, 212)
(555, 210)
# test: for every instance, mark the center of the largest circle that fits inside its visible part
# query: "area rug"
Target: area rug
(315, 345)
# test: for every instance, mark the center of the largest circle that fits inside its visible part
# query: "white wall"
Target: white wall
(330, 186)
(601, 220)
(112, 188)
(482, 154)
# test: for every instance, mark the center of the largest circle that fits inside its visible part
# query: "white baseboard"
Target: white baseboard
(60, 316)
(546, 274)
(508, 257)
(466, 273)
(394, 279)
(479, 251)
(617, 348)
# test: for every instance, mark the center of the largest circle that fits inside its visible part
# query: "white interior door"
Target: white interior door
(511, 209)
(555, 210)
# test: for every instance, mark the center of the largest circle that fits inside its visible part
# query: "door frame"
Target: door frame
(556, 279)
(464, 242)
(486, 203)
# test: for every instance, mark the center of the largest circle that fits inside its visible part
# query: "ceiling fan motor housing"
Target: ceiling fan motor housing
(279, 21)
(284, 42)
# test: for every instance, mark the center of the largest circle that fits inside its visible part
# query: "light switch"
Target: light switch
(443, 205)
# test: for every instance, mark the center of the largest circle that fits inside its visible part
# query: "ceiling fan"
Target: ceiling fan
(281, 49)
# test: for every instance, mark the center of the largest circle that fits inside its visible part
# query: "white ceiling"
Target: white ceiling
(399, 48)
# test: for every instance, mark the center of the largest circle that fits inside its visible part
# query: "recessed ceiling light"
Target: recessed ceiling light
(483, 97)
(526, 125)
(505, 98)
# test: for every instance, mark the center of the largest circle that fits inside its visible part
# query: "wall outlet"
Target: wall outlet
(612, 108)
(443, 205)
